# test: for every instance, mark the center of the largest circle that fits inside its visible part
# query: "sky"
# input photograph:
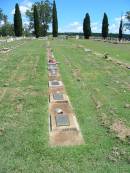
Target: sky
(72, 12)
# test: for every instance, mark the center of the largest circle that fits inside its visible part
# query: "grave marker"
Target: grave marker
(58, 96)
(55, 83)
(62, 120)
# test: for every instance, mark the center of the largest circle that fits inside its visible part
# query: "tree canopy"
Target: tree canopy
(120, 30)
(17, 22)
(127, 23)
(44, 9)
(86, 26)
(36, 22)
(54, 21)
(105, 25)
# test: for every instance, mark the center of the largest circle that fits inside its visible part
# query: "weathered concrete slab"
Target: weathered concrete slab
(55, 83)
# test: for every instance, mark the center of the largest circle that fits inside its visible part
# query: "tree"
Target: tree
(7, 30)
(17, 22)
(120, 30)
(44, 9)
(1, 14)
(54, 20)
(127, 22)
(3, 17)
(105, 26)
(36, 22)
(87, 27)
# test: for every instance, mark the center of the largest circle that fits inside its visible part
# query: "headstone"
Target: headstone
(77, 37)
(62, 120)
(58, 96)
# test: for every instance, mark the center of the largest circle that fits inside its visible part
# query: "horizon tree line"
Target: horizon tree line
(43, 13)
(105, 27)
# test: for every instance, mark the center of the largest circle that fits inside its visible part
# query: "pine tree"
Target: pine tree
(36, 22)
(87, 27)
(105, 26)
(54, 21)
(17, 22)
(120, 30)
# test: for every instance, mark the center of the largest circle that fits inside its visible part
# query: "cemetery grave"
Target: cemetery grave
(61, 115)
(55, 83)
(4, 50)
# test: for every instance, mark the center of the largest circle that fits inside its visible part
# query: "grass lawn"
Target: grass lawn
(12, 45)
(24, 108)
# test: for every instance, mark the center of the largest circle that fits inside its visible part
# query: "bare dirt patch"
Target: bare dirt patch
(77, 74)
(2, 131)
(117, 154)
(120, 129)
(117, 126)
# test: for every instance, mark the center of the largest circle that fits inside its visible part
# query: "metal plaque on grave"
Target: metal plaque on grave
(54, 83)
(58, 96)
(53, 72)
(62, 120)
(52, 67)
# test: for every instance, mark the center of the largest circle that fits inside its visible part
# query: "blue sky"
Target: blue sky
(72, 12)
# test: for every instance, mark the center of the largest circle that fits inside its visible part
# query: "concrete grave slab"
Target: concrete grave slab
(55, 83)
(66, 110)
(53, 90)
(66, 138)
(54, 75)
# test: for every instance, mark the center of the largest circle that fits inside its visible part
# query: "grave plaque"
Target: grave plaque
(52, 67)
(62, 120)
(53, 72)
(55, 83)
(58, 96)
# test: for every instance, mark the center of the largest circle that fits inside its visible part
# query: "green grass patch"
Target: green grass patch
(24, 109)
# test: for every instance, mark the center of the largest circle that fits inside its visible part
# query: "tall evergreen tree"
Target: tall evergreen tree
(36, 22)
(17, 22)
(54, 21)
(105, 25)
(120, 30)
(87, 27)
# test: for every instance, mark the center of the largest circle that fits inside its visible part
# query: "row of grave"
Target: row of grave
(63, 126)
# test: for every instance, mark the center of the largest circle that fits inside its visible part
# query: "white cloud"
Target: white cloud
(72, 27)
(114, 26)
(96, 27)
(78, 27)
(24, 6)
(1, 23)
